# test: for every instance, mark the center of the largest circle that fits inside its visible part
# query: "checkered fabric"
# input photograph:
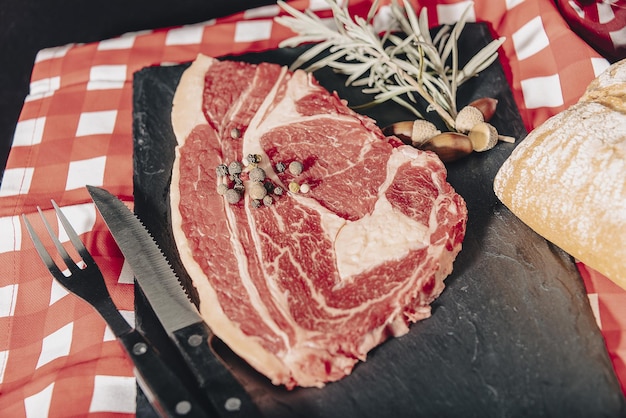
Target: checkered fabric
(602, 23)
(57, 357)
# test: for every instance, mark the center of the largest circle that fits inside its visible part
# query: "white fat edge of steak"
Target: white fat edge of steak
(187, 102)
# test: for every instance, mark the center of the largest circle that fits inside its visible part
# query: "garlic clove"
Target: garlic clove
(483, 136)
(487, 107)
(449, 146)
(467, 118)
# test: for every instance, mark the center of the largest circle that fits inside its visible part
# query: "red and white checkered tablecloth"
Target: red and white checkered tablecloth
(57, 357)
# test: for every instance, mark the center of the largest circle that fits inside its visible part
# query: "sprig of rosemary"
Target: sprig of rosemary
(394, 65)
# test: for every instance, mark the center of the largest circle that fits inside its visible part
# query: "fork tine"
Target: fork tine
(69, 262)
(71, 233)
(41, 250)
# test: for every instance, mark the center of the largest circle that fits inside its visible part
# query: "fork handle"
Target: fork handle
(163, 388)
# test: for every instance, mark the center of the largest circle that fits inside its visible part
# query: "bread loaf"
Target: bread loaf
(567, 179)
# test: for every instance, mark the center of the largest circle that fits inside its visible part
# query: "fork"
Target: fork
(162, 387)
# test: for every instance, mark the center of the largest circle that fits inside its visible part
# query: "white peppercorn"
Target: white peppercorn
(257, 174)
(232, 196)
(296, 168)
(222, 189)
(257, 191)
(235, 168)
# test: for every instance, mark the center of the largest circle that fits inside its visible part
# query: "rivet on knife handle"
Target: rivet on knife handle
(226, 394)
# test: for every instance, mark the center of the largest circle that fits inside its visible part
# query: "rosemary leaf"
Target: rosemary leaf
(410, 13)
(423, 25)
(391, 66)
(400, 17)
(454, 35)
(357, 71)
(442, 38)
(330, 60)
(373, 10)
(481, 60)
(307, 56)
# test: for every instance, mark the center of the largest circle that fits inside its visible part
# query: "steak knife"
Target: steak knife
(177, 314)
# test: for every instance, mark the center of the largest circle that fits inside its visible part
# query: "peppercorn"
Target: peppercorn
(238, 181)
(257, 191)
(280, 167)
(235, 168)
(254, 158)
(255, 203)
(221, 170)
(239, 187)
(296, 168)
(232, 196)
(294, 187)
(278, 191)
(257, 174)
(221, 189)
(269, 186)
(268, 200)
(235, 133)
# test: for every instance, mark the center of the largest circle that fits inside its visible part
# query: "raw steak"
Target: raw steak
(304, 288)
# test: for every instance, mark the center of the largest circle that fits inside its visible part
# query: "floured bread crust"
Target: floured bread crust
(567, 179)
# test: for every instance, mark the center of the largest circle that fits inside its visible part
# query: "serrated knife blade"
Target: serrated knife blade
(178, 315)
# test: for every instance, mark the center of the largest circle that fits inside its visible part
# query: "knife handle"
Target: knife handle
(227, 396)
(165, 391)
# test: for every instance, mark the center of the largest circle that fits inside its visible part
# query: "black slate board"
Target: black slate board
(512, 334)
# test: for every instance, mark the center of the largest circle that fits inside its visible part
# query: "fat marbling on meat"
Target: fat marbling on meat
(303, 288)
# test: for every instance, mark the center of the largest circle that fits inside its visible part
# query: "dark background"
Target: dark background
(27, 26)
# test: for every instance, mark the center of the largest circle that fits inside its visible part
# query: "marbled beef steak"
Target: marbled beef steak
(303, 286)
